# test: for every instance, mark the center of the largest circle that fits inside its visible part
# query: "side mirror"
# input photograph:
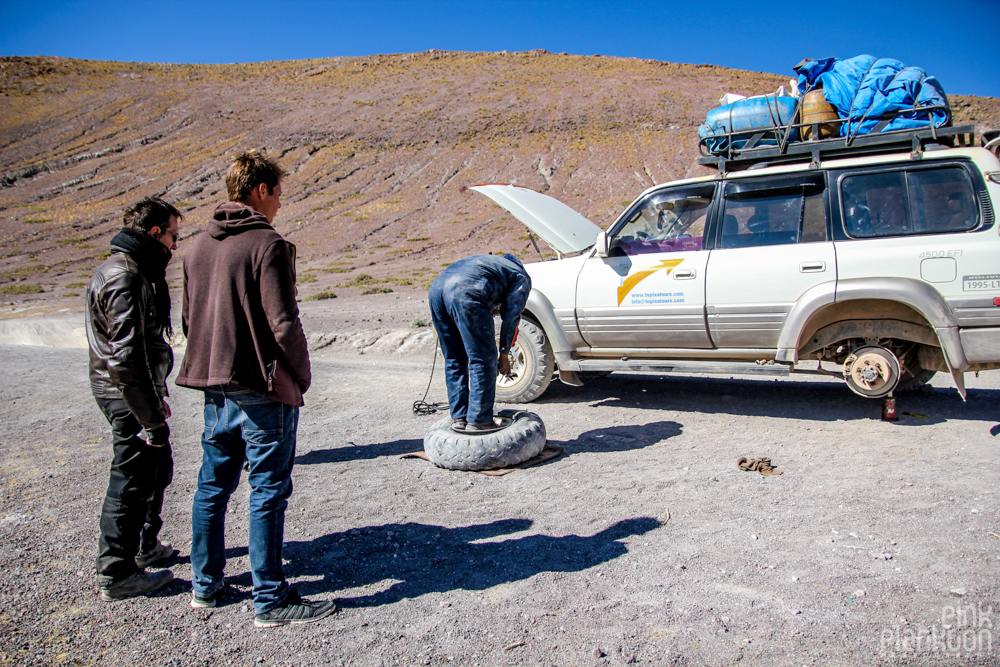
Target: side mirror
(602, 244)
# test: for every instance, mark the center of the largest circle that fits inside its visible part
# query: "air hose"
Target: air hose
(422, 407)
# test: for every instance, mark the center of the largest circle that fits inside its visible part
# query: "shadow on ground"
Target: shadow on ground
(422, 559)
(620, 438)
(609, 439)
(353, 452)
(807, 400)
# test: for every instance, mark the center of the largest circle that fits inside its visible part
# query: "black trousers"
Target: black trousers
(130, 518)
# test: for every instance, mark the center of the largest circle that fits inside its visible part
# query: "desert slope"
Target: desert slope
(378, 148)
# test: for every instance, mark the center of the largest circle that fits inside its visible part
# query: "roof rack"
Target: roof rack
(771, 146)
(991, 141)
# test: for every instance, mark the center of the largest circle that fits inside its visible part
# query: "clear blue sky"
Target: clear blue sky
(955, 40)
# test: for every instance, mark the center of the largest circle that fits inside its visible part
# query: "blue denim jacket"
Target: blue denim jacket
(495, 281)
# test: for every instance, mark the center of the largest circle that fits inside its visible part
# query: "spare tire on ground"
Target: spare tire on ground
(518, 442)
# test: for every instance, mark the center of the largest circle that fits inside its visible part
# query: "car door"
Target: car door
(649, 292)
(773, 245)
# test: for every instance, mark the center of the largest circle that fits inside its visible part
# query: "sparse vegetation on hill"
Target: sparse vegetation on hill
(377, 148)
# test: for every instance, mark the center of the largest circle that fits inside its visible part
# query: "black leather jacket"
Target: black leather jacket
(129, 359)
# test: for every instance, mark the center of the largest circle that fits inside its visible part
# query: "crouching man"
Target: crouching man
(247, 351)
(128, 311)
(462, 301)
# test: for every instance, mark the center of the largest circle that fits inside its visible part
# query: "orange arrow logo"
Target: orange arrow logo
(639, 276)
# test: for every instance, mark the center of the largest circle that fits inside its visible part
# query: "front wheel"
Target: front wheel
(531, 367)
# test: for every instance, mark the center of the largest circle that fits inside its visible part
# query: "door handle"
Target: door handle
(687, 274)
(812, 267)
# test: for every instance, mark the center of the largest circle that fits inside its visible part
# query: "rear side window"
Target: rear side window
(900, 203)
(774, 211)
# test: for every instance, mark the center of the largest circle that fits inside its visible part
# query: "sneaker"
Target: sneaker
(160, 552)
(295, 609)
(198, 602)
(140, 583)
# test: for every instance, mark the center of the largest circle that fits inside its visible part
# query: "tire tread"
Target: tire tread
(544, 364)
(520, 441)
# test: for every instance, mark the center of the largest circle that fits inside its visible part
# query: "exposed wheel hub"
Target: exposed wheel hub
(872, 371)
(517, 367)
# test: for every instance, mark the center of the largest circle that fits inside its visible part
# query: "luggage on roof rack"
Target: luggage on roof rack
(734, 125)
(866, 90)
(780, 150)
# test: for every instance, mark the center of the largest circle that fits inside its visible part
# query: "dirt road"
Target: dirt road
(643, 543)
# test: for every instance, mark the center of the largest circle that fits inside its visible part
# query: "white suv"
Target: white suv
(881, 254)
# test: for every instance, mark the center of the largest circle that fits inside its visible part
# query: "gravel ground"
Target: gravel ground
(642, 543)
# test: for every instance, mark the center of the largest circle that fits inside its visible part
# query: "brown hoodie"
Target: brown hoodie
(239, 314)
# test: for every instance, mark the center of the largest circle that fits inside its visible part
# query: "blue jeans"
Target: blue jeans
(238, 424)
(465, 331)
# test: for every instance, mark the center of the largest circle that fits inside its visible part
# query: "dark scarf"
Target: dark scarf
(152, 257)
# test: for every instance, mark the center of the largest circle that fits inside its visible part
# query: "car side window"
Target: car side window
(908, 202)
(671, 221)
(942, 200)
(773, 212)
(875, 205)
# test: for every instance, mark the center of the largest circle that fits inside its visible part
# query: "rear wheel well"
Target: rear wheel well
(834, 333)
(864, 320)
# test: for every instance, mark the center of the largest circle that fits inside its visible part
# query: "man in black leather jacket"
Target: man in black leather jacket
(128, 312)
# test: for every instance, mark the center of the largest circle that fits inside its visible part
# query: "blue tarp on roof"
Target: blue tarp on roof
(865, 87)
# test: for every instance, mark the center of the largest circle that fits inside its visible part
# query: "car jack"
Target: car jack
(889, 409)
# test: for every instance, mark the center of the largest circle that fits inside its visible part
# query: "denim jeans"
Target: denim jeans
(238, 424)
(465, 330)
(130, 516)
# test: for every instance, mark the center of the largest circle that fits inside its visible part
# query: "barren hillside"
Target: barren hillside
(377, 147)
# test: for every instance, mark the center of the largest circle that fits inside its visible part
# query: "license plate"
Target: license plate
(990, 282)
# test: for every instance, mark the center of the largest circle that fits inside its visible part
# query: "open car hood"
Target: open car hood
(556, 223)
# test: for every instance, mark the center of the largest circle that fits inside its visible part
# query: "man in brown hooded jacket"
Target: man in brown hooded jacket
(247, 351)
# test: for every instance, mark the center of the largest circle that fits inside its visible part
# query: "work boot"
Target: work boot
(481, 427)
(140, 583)
(160, 552)
(488, 427)
(295, 609)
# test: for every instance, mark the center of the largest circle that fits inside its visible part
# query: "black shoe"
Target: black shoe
(198, 602)
(140, 583)
(295, 609)
(160, 552)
